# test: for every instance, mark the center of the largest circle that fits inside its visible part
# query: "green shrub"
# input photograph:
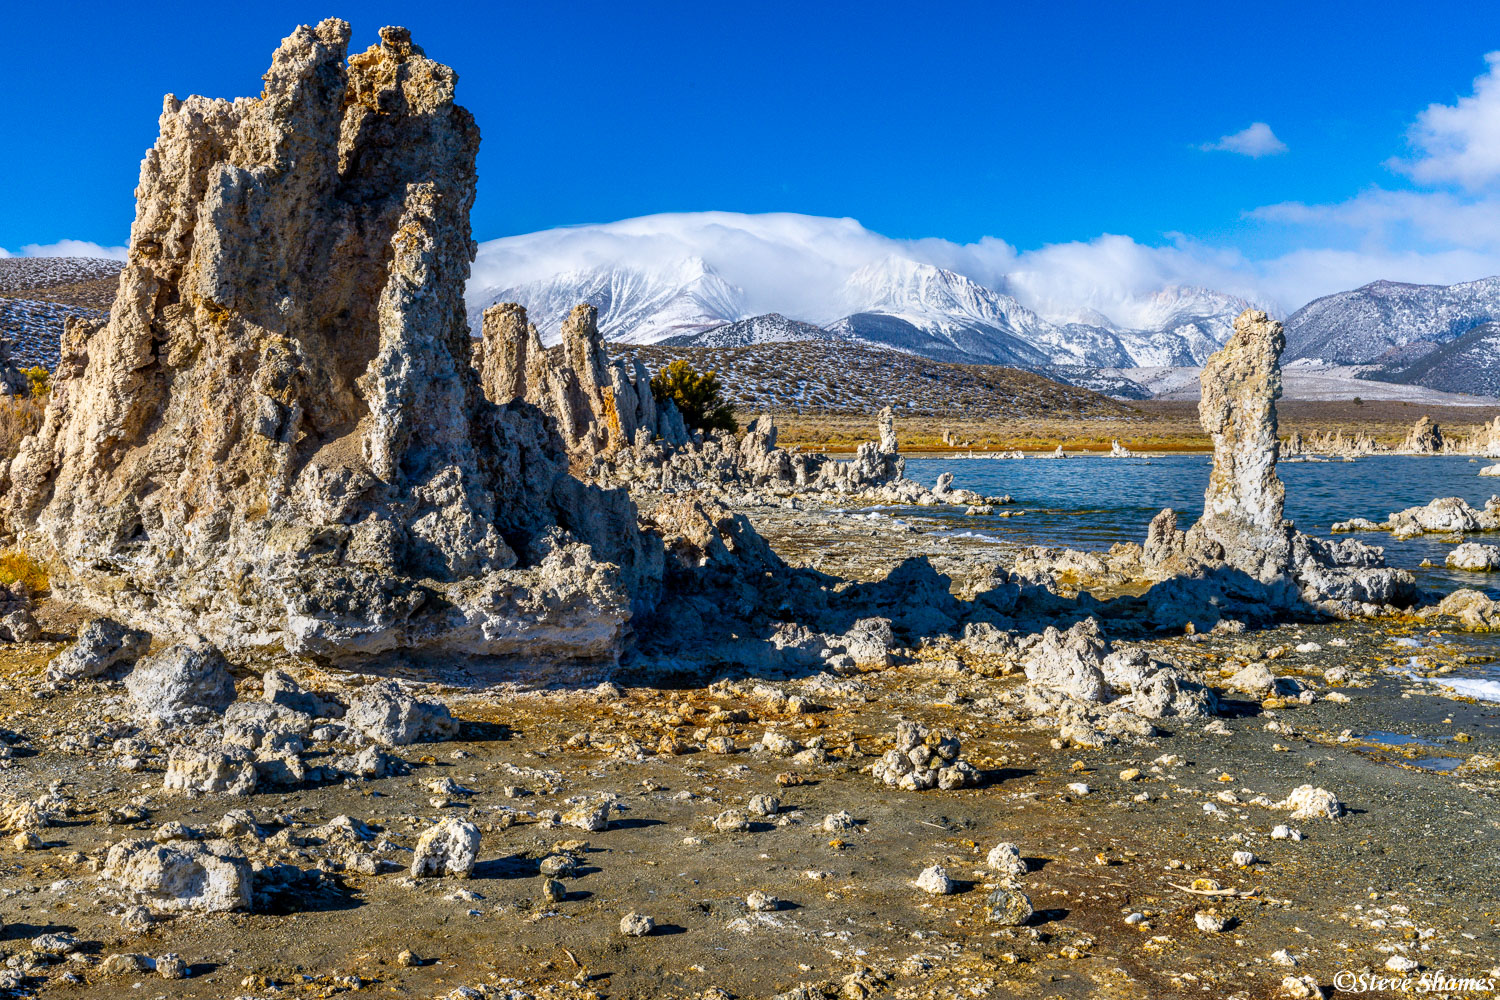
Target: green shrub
(698, 396)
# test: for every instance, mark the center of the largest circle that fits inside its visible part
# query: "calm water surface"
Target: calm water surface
(1091, 503)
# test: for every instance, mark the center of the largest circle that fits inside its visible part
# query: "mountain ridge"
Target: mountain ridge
(893, 302)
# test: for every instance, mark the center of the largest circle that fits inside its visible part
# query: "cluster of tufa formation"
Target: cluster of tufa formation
(921, 760)
(599, 407)
(1424, 438)
(616, 432)
(277, 438)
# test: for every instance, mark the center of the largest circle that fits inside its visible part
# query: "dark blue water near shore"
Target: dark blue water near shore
(1091, 503)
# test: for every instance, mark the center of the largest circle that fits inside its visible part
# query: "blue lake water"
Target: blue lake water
(1091, 503)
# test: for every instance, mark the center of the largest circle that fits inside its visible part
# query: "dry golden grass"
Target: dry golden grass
(1147, 426)
(18, 567)
(18, 418)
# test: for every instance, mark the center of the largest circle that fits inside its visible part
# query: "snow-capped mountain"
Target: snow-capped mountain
(941, 314)
(636, 305)
(891, 302)
(936, 313)
(1385, 319)
(685, 278)
(1469, 364)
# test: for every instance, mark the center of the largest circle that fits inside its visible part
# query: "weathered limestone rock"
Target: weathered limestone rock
(223, 769)
(1070, 662)
(391, 717)
(886, 424)
(1242, 524)
(449, 848)
(1443, 515)
(1253, 679)
(183, 684)
(512, 353)
(184, 876)
(1487, 441)
(921, 760)
(1474, 557)
(870, 641)
(101, 644)
(281, 689)
(1006, 859)
(1166, 544)
(17, 624)
(1424, 438)
(278, 438)
(1307, 802)
(1473, 608)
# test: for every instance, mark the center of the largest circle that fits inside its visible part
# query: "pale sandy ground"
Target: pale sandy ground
(1305, 381)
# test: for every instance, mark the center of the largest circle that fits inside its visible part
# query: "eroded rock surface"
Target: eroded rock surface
(277, 439)
(1243, 506)
(1241, 545)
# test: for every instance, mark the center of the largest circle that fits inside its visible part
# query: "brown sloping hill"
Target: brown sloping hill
(38, 293)
(854, 378)
(83, 282)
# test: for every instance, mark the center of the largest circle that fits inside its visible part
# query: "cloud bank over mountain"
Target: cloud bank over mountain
(798, 264)
(1444, 230)
(66, 248)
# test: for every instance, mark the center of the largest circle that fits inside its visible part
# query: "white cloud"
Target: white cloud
(1459, 143)
(1416, 220)
(67, 248)
(1255, 139)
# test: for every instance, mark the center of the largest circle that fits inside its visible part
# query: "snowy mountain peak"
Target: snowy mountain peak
(676, 277)
(636, 305)
(1365, 324)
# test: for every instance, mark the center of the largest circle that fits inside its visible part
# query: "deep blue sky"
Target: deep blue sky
(1037, 122)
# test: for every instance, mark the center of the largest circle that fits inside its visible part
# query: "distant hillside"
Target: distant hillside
(772, 328)
(856, 378)
(85, 282)
(38, 293)
(1469, 364)
(1386, 319)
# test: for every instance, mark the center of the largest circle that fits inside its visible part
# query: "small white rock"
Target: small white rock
(1208, 923)
(1006, 859)
(760, 902)
(636, 925)
(935, 880)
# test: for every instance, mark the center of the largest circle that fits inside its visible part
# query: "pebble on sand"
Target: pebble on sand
(636, 925)
(935, 880)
